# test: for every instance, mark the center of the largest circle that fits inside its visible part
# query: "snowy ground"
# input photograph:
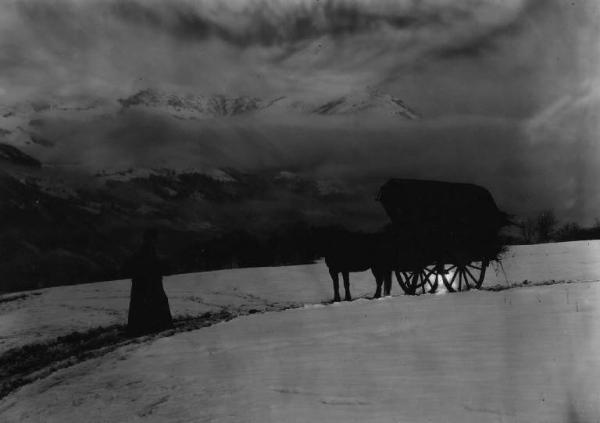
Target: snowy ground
(523, 355)
(48, 313)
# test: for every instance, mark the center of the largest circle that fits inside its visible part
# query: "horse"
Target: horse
(347, 251)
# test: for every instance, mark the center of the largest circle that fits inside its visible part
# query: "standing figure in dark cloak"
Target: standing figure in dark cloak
(148, 305)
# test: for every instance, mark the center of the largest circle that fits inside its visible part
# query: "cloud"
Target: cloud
(499, 84)
(500, 154)
(276, 45)
(571, 125)
(471, 52)
(273, 22)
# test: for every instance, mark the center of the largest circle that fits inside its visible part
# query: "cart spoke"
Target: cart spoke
(471, 275)
(434, 282)
(450, 283)
(484, 265)
(468, 285)
(430, 271)
(400, 278)
(415, 280)
(434, 285)
(453, 277)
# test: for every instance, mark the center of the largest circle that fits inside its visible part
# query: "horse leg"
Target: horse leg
(336, 285)
(387, 282)
(379, 282)
(346, 276)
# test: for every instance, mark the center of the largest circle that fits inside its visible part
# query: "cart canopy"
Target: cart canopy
(440, 208)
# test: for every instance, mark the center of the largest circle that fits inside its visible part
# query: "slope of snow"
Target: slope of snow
(142, 172)
(364, 102)
(524, 355)
(52, 312)
(369, 102)
(193, 106)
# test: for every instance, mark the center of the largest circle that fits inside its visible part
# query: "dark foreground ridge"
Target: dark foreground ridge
(526, 283)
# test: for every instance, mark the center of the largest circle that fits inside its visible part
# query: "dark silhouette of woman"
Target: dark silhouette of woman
(148, 305)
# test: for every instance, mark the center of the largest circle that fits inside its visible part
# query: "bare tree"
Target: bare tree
(545, 224)
(528, 230)
(570, 231)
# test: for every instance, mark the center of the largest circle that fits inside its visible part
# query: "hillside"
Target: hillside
(72, 228)
(524, 354)
(81, 178)
(39, 315)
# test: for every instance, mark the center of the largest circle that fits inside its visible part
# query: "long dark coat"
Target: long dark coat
(148, 305)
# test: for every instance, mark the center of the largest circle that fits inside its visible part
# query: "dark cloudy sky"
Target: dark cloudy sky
(509, 90)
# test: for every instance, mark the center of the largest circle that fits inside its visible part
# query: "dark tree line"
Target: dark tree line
(51, 257)
(287, 244)
(545, 227)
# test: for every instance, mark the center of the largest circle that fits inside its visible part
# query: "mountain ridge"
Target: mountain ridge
(359, 102)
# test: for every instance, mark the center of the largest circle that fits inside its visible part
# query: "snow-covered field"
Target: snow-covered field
(48, 313)
(523, 355)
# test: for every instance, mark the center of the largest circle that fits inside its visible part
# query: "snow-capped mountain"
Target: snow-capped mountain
(27, 122)
(366, 102)
(41, 122)
(193, 106)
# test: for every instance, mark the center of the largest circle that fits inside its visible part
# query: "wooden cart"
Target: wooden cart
(445, 231)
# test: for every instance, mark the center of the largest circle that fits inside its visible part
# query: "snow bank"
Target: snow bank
(57, 311)
(523, 355)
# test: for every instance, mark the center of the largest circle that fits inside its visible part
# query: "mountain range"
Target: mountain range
(200, 106)
(23, 123)
(80, 180)
(64, 227)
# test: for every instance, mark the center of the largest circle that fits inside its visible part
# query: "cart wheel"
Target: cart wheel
(465, 276)
(431, 277)
(405, 282)
(410, 281)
